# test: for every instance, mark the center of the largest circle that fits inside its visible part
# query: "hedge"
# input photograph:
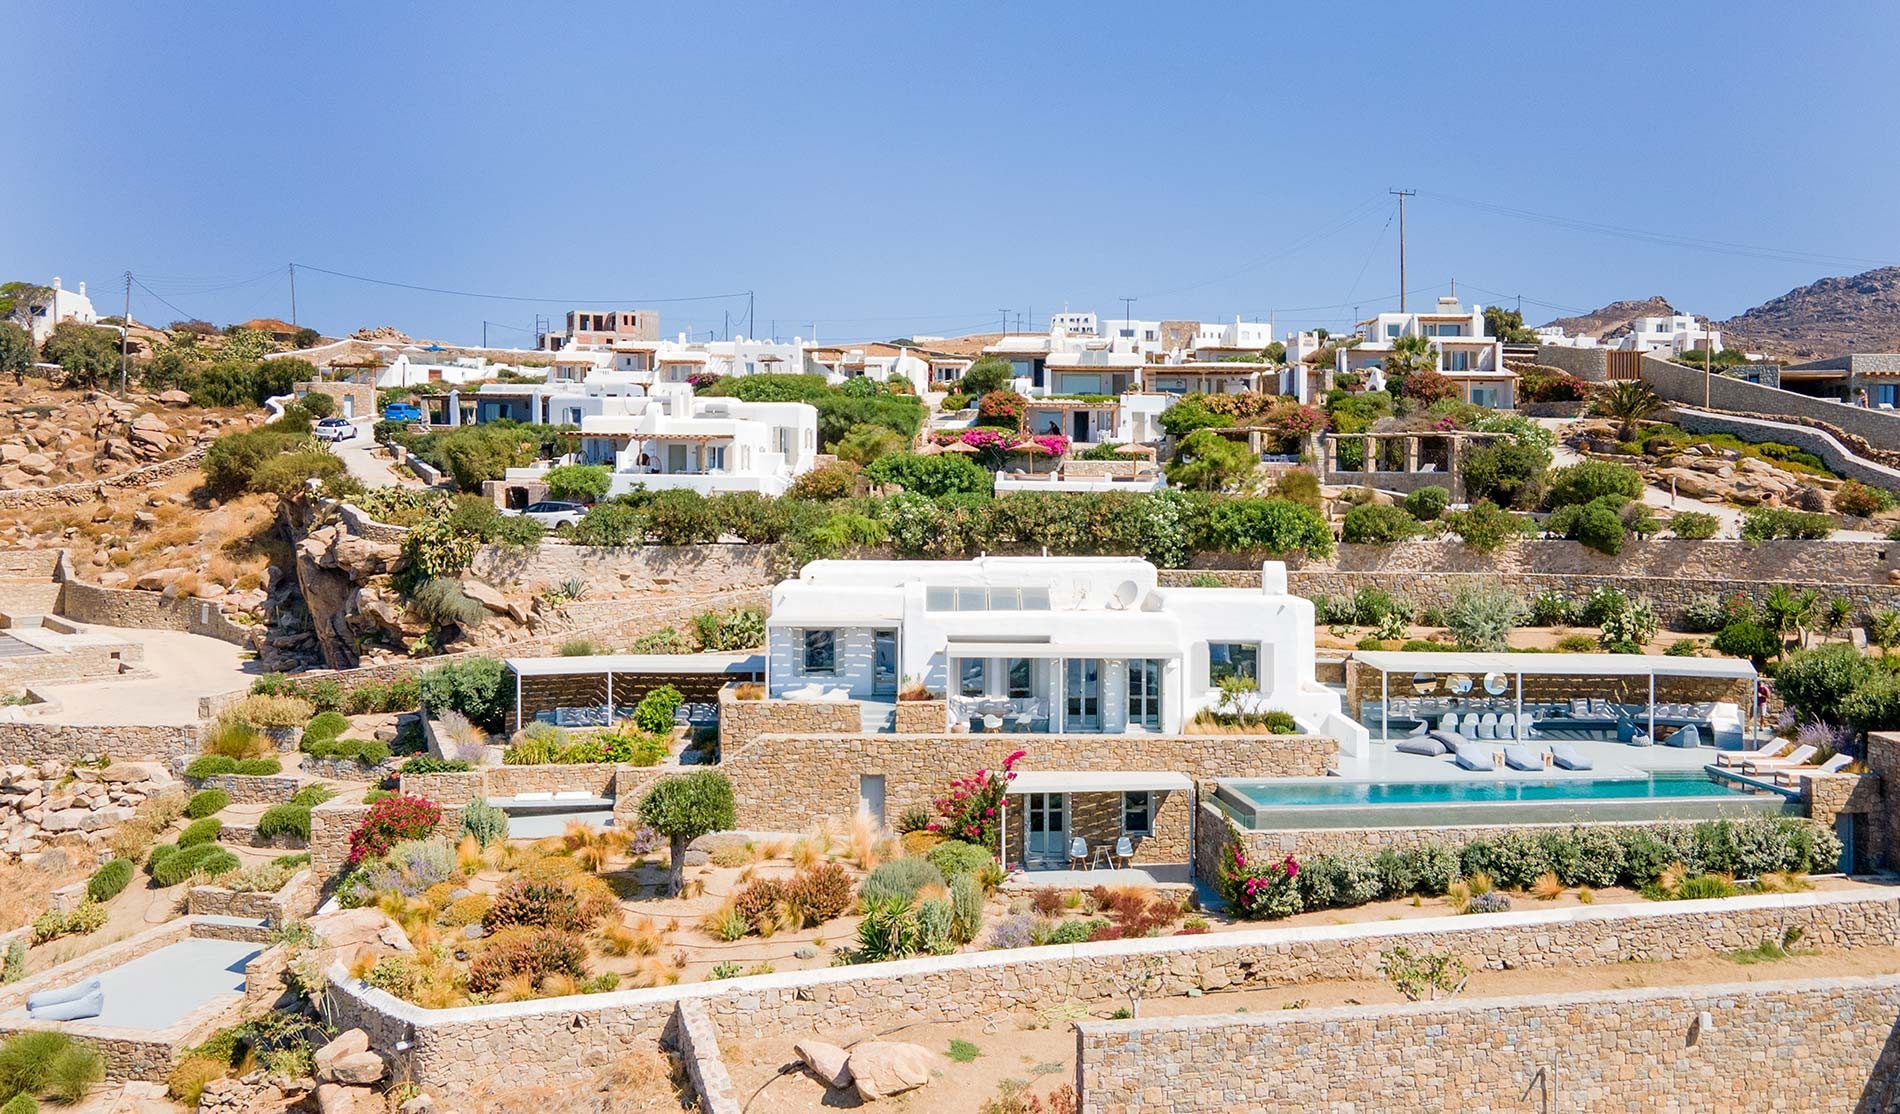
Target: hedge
(285, 819)
(206, 858)
(200, 831)
(206, 802)
(107, 882)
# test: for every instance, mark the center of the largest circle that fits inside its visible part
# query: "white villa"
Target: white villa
(1670, 336)
(1473, 361)
(1069, 645)
(661, 437)
(60, 305)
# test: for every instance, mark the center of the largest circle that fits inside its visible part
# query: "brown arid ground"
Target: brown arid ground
(1041, 1051)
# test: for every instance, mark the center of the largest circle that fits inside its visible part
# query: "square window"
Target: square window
(1020, 679)
(821, 651)
(1137, 813)
(972, 599)
(940, 599)
(973, 677)
(1232, 659)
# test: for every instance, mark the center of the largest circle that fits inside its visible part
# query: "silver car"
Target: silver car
(333, 429)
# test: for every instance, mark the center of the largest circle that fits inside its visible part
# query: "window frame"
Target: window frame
(1146, 808)
(1214, 676)
(807, 645)
(981, 668)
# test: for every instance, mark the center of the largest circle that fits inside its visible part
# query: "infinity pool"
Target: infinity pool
(1342, 803)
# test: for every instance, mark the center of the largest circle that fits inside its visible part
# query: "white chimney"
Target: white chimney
(82, 290)
(56, 282)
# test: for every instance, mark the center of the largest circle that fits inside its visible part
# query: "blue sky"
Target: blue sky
(883, 170)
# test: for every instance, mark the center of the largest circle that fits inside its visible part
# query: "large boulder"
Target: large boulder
(349, 1042)
(358, 1068)
(885, 1068)
(826, 1061)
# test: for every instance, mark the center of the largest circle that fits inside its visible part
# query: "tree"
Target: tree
(305, 338)
(579, 483)
(85, 353)
(1507, 325)
(684, 808)
(1428, 386)
(1206, 461)
(863, 444)
(16, 350)
(19, 299)
(991, 373)
(1409, 356)
(1628, 402)
(1275, 352)
(1506, 472)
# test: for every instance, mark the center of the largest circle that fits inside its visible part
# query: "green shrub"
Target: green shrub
(1427, 503)
(42, 1062)
(579, 483)
(22, 1103)
(954, 857)
(488, 824)
(206, 802)
(966, 907)
(210, 765)
(367, 752)
(285, 819)
(258, 767)
(1815, 683)
(109, 880)
(1597, 525)
(1694, 525)
(441, 602)
(473, 687)
(1372, 524)
(430, 764)
(1745, 638)
(899, 878)
(200, 831)
(205, 858)
(1481, 617)
(313, 794)
(1768, 523)
(1486, 527)
(945, 474)
(324, 728)
(1590, 480)
(656, 710)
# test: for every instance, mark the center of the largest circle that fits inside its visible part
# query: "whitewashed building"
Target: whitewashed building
(1473, 361)
(59, 305)
(1670, 336)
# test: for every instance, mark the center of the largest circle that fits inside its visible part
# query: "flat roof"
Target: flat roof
(636, 663)
(1096, 781)
(1549, 665)
(961, 648)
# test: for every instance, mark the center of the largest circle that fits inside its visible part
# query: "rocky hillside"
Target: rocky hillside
(1613, 320)
(73, 436)
(1829, 317)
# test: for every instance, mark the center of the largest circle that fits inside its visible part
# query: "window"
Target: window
(1137, 813)
(1457, 361)
(1021, 677)
(716, 458)
(1144, 693)
(1232, 659)
(940, 599)
(973, 677)
(821, 651)
(1391, 331)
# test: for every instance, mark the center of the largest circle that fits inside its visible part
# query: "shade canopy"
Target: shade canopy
(744, 664)
(1004, 649)
(961, 447)
(1097, 781)
(1555, 665)
(1134, 449)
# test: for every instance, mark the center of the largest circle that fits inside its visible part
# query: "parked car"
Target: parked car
(402, 412)
(553, 512)
(333, 429)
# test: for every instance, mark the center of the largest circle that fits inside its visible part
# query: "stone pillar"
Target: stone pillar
(1372, 452)
(1411, 453)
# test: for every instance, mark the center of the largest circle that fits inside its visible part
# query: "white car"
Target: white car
(553, 512)
(333, 429)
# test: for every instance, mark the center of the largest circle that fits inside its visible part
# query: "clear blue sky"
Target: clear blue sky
(888, 169)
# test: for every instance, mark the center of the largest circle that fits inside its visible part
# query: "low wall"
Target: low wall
(1592, 364)
(920, 717)
(1782, 561)
(680, 568)
(453, 790)
(247, 789)
(29, 742)
(741, 721)
(1839, 457)
(294, 899)
(87, 491)
(1825, 1044)
(128, 607)
(784, 782)
(1880, 428)
(698, 1043)
(535, 1042)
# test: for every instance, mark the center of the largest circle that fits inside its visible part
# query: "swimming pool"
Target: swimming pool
(1344, 803)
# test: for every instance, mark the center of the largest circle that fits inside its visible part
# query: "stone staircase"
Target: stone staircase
(878, 716)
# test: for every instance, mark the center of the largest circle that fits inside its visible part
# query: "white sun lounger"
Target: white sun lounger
(1736, 757)
(1798, 758)
(1832, 765)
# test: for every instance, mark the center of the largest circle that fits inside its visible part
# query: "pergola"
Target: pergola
(593, 678)
(1520, 666)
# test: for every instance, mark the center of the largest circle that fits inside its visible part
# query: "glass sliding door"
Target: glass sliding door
(1046, 840)
(884, 663)
(1144, 693)
(1082, 692)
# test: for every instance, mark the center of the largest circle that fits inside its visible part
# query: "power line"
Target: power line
(1351, 216)
(517, 297)
(140, 283)
(1666, 239)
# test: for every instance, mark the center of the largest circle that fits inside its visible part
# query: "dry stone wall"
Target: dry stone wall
(126, 607)
(1823, 1044)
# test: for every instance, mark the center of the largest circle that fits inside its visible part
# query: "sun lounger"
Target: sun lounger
(1567, 757)
(1519, 757)
(57, 995)
(1473, 757)
(1799, 757)
(1737, 757)
(1831, 766)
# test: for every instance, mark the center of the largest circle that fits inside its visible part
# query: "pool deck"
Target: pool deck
(1610, 759)
(159, 989)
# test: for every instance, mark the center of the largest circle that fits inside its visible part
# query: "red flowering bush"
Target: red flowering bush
(536, 953)
(1256, 891)
(973, 808)
(1298, 421)
(1001, 408)
(1429, 386)
(390, 821)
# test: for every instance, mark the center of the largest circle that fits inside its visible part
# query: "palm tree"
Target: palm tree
(1785, 612)
(1883, 629)
(1409, 355)
(1628, 402)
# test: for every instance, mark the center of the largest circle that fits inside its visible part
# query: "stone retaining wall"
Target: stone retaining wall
(246, 789)
(129, 607)
(349, 769)
(535, 1042)
(294, 899)
(741, 721)
(1839, 458)
(29, 742)
(1821, 1044)
(1879, 428)
(671, 568)
(921, 717)
(87, 491)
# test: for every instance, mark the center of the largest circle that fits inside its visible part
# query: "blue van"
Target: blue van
(402, 412)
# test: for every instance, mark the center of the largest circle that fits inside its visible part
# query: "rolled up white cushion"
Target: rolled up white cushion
(63, 994)
(75, 1010)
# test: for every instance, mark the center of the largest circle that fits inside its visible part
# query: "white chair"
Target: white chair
(1078, 853)
(1832, 765)
(1449, 723)
(1488, 725)
(1124, 851)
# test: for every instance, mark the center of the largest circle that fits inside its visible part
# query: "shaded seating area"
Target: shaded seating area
(602, 689)
(1637, 700)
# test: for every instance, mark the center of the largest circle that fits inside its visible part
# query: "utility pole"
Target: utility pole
(751, 322)
(125, 334)
(1708, 368)
(1005, 314)
(1402, 195)
(1128, 316)
(293, 298)
(728, 328)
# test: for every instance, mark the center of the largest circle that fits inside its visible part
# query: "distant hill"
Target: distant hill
(1828, 317)
(1613, 320)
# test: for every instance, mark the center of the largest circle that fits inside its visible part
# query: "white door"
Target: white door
(871, 796)
(1046, 843)
(349, 406)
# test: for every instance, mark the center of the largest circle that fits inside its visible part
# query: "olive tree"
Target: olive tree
(683, 809)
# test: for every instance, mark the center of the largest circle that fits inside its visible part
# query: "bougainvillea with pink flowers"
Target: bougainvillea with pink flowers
(1266, 889)
(973, 808)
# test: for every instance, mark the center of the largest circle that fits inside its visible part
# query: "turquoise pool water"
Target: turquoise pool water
(1298, 803)
(1337, 791)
